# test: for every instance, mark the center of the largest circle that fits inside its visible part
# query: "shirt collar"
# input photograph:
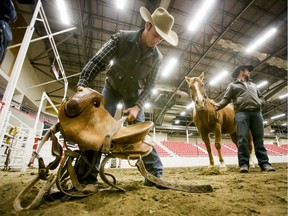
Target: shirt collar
(134, 38)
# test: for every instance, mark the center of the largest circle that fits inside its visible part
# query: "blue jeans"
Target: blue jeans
(252, 121)
(152, 161)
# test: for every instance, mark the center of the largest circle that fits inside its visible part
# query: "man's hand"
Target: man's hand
(216, 106)
(132, 113)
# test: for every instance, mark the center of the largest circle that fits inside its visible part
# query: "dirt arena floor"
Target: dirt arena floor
(253, 193)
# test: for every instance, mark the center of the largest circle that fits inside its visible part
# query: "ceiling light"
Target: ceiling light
(265, 122)
(284, 124)
(63, 11)
(147, 105)
(177, 121)
(262, 84)
(283, 96)
(182, 113)
(154, 91)
(169, 67)
(218, 77)
(202, 12)
(259, 41)
(119, 105)
(120, 4)
(278, 116)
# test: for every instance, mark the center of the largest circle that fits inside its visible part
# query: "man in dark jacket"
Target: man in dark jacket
(131, 77)
(7, 15)
(247, 101)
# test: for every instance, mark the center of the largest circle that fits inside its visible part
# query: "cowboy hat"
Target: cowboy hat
(163, 22)
(239, 68)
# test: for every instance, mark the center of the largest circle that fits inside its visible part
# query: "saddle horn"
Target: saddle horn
(75, 105)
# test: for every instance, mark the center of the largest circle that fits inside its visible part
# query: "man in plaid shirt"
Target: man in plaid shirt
(134, 72)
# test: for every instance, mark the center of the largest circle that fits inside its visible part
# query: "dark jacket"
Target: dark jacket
(244, 95)
(129, 72)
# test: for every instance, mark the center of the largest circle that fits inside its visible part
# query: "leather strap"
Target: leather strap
(111, 132)
(172, 185)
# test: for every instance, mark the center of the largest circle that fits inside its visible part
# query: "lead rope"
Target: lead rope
(172, 185)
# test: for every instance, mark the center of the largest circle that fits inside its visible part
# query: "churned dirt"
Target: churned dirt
(253, 193)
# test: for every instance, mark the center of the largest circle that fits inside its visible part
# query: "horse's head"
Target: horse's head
(197, 90)
(84, 120)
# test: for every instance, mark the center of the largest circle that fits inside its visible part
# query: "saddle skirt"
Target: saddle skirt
(85, 121)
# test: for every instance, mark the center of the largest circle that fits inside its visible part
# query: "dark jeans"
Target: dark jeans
(252, 121)
(152, 161)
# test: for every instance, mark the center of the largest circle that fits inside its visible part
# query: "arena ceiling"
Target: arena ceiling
(218, 44)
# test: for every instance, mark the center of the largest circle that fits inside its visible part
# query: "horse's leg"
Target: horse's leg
(252, 152)
(206, 140)
(218, 136)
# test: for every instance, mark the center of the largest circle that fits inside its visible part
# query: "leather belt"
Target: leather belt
(249, 110)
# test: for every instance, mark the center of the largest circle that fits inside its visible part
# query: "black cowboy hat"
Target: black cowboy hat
(241, 67)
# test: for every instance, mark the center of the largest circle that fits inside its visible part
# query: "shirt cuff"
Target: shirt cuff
(82, 82)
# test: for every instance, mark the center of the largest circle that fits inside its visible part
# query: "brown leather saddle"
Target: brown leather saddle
(85, 121)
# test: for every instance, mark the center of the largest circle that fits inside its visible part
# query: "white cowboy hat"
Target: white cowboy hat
(163, 22)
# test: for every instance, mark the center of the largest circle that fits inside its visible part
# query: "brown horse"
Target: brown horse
(208, 120)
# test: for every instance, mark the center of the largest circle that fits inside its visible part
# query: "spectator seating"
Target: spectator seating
(225, 150)
(161, 151)
(183, 149)
(275, 150)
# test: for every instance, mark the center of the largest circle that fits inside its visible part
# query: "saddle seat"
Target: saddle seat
(132, 141)
(132, 133)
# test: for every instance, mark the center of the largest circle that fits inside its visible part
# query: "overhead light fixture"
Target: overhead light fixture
(169, 67)
(278, 116)
(147, 105)
(218, 77)
(63, 11)
(120, 4)
(203, 11)
(284, 124)
(262, 84)
(177, 121)
(260, 40)
(265, 122)
(154, 91)
(119, 106)
(183, 113)
(283, 96)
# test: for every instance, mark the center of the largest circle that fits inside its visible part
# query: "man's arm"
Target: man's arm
(226, 98)
(261, 98)
(99, 61)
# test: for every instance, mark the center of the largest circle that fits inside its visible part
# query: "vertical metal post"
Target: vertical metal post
(8, 95)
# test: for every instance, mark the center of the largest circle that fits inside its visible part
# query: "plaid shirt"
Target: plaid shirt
(109, 50)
